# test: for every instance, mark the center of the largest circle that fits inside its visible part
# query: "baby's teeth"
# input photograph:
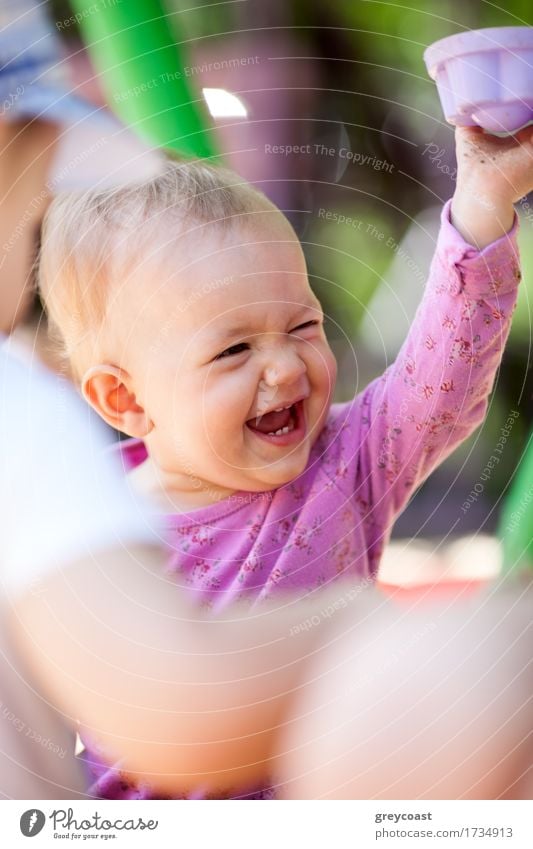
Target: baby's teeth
(281, 431)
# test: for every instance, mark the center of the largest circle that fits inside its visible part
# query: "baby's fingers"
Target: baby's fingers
(477, 139)
(465, 132)
(524, 136)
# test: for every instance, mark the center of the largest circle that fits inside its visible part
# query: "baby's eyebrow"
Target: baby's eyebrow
(231, 333)
(244, 329)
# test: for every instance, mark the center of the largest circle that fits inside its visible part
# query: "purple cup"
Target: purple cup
(485, 77)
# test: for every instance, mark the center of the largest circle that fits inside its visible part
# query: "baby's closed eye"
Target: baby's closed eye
(234, 350)
(310, 323)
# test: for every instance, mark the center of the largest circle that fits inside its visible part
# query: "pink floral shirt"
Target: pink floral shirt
(372, 454)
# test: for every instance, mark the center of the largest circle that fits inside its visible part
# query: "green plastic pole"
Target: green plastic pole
(516, 528)
(132, 45)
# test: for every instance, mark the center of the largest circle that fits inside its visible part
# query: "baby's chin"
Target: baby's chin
(275, 476)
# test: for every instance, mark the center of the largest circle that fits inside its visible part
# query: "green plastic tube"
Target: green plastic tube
(132, 45)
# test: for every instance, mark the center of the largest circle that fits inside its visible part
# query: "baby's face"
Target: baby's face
(214, 352)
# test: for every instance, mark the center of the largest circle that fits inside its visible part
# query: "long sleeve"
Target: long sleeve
(436, 392)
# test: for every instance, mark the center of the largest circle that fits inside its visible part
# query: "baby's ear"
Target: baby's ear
(108, 390)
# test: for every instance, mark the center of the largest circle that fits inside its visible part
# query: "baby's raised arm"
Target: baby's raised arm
(435, 394)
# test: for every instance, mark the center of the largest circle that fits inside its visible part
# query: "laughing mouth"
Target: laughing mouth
(278, 422)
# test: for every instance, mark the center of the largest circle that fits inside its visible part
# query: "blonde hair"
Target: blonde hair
(93, 239)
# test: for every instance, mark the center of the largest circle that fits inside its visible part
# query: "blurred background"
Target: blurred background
(328, 108)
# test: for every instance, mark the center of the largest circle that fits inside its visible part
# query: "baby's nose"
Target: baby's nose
(284, 367)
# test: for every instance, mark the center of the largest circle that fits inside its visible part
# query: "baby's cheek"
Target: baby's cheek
(325, 367)
(214, 414)
(332, 368)
(230, 397)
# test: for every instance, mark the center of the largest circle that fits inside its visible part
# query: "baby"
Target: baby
(185, 310)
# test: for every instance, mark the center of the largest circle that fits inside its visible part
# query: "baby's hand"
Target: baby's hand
(492, 174)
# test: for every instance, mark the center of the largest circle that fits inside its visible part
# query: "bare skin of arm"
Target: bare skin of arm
(182, 698)
(26, 153)
(235, 700)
